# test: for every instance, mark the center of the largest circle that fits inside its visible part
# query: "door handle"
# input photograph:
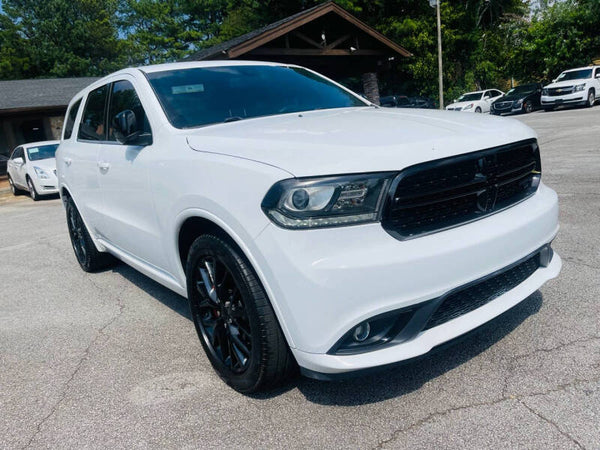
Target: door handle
(103, 166)
(67, 161)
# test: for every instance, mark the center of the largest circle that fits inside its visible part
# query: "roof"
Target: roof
(199, 64)
(243, 44)
(40, 93)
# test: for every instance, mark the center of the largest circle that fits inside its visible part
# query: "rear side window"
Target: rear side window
(70, 123)
(92, 127)
(18, 153)
(123, 98)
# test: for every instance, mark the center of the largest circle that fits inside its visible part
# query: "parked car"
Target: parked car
(520, 99)
(394, 101)
(579, 86)
(305, 226)
(3, 161)
(478, 102)
(402, 101)
(32, 168)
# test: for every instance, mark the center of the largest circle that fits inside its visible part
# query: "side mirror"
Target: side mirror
(127, 131)
(19, 161)
(554, 80)
(598, 75)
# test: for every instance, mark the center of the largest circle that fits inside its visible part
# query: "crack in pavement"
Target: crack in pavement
(84, 357)
(552, 423)
(506, 397)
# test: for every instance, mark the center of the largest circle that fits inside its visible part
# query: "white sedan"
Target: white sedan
(32, 168)
(478, 102)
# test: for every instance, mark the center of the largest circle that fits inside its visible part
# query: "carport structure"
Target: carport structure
(325, 38)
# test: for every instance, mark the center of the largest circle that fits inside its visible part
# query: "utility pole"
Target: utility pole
(439, 36)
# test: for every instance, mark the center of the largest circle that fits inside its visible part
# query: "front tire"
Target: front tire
(32, 192)
(528, 107)
(234, 318)
(88, 256)
(478, 110)
(591, 98)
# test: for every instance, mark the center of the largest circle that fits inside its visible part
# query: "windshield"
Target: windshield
(525, 89)
(41, 152)
(204, 96)
(470, 97)
(575, 75)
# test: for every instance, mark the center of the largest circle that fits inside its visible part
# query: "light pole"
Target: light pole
(436, 4)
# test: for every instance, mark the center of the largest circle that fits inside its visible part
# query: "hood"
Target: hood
(462, 104)
(514, 97)
(567, 83)
(48, 164)
(354, 140)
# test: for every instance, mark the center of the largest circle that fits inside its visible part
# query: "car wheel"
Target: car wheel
(88, 256)
(234, 319)
(32, 192)
(528, 107)
(591, 98)
(478, 110)
(14, 189)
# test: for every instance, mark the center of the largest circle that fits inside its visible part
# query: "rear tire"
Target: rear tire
(234, 319)
(32, 192)
(14, 189)
(88, 256)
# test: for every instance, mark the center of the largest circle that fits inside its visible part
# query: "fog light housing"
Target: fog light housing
(374, 332)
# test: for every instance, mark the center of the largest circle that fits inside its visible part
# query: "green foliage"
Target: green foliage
(486, 43)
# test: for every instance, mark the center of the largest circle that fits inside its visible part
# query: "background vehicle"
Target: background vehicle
(520, 99)
(32, 168)
(304, 225)
(478, 102)
(579, 86)
(394, 101)
(3, 163)
(402, 101)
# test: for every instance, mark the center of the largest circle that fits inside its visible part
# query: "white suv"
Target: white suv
(573, 87)
(305, 226)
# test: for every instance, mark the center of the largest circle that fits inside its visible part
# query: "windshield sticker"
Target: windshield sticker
(34, 150)
(187, 89)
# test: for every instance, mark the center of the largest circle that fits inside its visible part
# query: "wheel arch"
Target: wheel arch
(193, 224)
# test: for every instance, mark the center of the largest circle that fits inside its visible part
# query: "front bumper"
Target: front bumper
(324, 282)
(46, 186)
(510, 109)
(568, 99)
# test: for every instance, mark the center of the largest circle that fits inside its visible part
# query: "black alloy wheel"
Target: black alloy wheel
(233, 317)
(88, 256)
(32, 192)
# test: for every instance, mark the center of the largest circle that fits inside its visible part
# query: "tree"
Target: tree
(65, 37)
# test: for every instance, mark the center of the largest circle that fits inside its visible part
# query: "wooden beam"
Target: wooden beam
(337, 42)
(314, 52)
(306, 39)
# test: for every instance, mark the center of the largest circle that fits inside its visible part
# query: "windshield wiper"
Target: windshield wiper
(233, 119)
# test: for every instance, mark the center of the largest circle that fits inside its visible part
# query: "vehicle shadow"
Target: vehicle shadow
(388, 383)
(164, 295)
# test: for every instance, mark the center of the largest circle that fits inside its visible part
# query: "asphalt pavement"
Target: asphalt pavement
(111, 360)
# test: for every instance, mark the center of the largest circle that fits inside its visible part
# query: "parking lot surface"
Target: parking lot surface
(111, 360)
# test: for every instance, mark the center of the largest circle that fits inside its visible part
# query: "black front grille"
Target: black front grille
(554, 92)
(503, 105)
(444, 193)
(482, 292)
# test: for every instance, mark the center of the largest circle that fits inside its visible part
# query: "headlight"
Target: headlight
(327, 201)
(579, 87)
(468, 106)
(41, 173)
(518, 103)
(544, 91)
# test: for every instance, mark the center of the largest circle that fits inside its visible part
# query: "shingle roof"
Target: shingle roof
(40, 93)
(224, 46)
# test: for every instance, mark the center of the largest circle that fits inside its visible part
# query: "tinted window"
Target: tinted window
(470, 97)
(92, 122)
(125, 98)
(70, 123)
(575, 75)
(196, 97)
(41, 152)
(18, 153)
(488, 94)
